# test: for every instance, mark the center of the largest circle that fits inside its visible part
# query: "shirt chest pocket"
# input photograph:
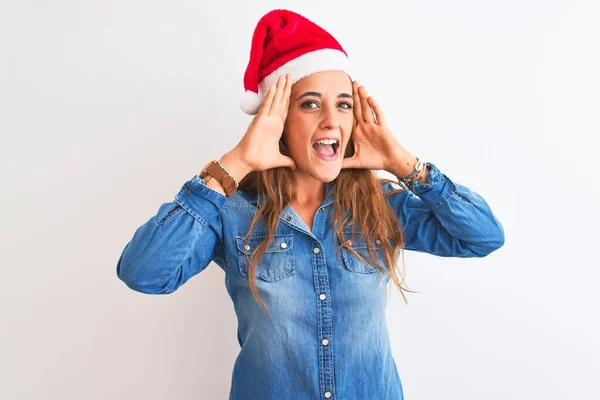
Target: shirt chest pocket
(276, 263)
(359, 245)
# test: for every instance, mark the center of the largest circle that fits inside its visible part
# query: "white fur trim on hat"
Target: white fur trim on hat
(306, 64)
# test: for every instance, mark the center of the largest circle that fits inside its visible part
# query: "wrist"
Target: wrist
(402, 165)
(422, 177)
(235, 165)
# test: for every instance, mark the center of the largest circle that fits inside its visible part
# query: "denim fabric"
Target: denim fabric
(326, 336)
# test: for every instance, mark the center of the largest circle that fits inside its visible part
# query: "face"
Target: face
(320, 109)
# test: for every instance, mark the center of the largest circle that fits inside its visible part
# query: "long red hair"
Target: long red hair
(359, 201)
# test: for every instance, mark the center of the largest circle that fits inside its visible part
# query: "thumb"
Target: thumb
(285, 161)
(351, 162)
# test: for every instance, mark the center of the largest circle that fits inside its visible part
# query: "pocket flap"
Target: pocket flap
(281, 242)
(359, 242)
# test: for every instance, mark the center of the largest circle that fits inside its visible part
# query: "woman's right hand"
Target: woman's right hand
(259, 147)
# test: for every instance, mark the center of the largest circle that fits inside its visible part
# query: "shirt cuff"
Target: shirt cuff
(438, 189)
(199, 200)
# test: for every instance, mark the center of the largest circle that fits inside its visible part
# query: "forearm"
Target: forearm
(447, 219)
(159, 257)
(403, 164)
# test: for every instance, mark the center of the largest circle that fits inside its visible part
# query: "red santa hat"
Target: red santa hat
(284, 41)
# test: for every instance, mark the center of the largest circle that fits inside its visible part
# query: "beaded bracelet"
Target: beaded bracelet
(415, 176)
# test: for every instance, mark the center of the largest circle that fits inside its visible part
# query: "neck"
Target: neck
(309, 190)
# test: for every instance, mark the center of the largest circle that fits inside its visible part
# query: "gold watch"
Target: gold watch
(216, 170)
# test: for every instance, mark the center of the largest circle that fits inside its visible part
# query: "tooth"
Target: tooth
(327, 141)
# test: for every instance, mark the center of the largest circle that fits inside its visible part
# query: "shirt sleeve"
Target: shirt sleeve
(177, 243)
(446, 219)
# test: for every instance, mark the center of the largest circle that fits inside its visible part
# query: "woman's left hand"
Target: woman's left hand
(375, 147)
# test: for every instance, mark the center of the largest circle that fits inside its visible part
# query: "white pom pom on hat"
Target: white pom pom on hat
(250, 102)
(286, 42)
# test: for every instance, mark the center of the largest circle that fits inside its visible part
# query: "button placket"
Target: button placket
(326, 365)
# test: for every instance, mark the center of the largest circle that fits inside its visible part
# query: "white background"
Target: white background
(108, 107)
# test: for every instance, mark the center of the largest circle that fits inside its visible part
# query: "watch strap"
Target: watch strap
(216, 170)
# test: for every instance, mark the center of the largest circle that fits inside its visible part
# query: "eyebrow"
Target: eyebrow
(317, 94)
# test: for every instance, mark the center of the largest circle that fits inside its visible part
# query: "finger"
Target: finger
(378, 111)
(287, 94)
(276, 105)
(364, 104)
(266, 104)
(357, 104)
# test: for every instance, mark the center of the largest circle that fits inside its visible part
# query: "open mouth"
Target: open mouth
(327, 149)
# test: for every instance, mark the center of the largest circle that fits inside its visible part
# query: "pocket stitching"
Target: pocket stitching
(286, 266)
(352, 262)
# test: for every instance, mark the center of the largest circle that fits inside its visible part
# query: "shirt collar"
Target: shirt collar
(329, 195)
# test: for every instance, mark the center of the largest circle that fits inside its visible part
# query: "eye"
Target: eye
(304, 105)
(345, 105)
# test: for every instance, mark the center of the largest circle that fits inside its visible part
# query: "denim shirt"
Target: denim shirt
(326, 335)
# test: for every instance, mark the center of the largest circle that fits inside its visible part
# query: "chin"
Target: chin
(329, 176)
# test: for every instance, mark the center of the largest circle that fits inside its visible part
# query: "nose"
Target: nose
(330, 118)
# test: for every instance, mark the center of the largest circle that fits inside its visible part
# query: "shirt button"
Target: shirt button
(283, 245)
(325, 342)
(247, 247)
(316, 250)
(288, 218)
(322, 209)
(378, 241)
(322, 296)
(327, 394)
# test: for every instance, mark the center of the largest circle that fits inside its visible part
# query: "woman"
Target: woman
(305, 231)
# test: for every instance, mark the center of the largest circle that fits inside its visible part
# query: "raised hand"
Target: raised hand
(375, 147)
(259, 148)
